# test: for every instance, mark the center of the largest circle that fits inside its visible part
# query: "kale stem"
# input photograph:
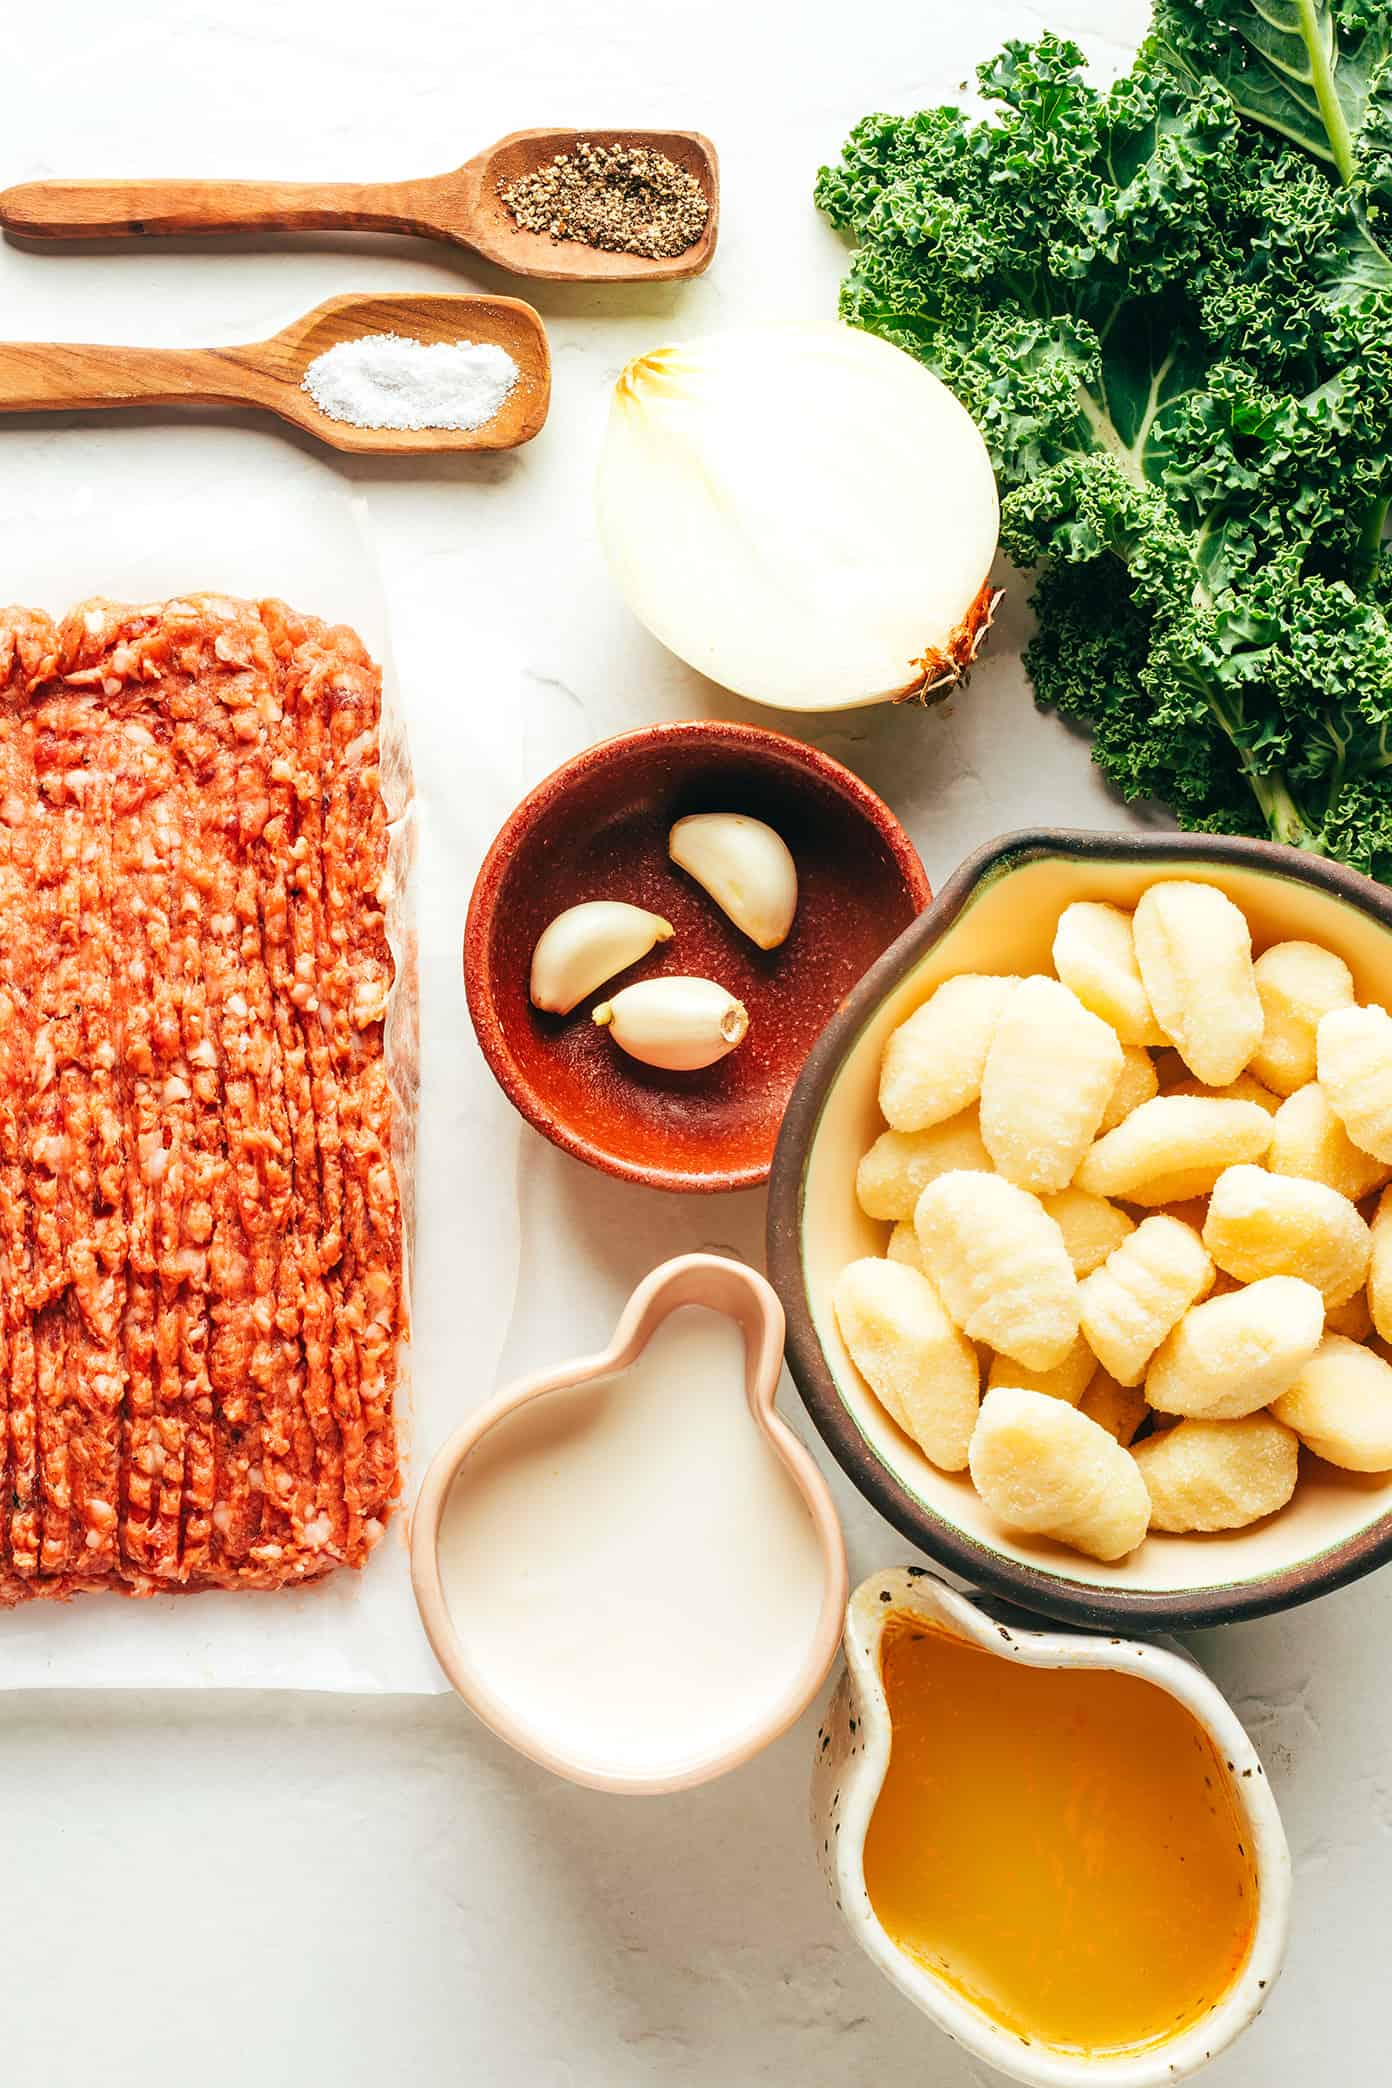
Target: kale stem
(1326, 94)
(1284, 819)
(1281, 813)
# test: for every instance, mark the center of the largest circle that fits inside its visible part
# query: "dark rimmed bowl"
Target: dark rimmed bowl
(597, 829)
(998, 913)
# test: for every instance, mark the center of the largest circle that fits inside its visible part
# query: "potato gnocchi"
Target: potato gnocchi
(1137, 1082)
(1297, 983)
(1353, 1060)
(1308, 1140)
(1173, 1148)
(1000, 1265)
(1127, 1198)
(1044, 1468)
(904, 1345)
(1380, 1268)
(900, 1164)
(1246, 1088)
(1218, 1475)
(1067, 1380)
(1262, 1224)
(1340, 1406)
(1048, 1077)
(1091, 1227)
(1194, 950)
(1128, 1306)
(903, 1245)
(1233, 1355)
(1120, 1409)
(1095, 956)
(933, 1063)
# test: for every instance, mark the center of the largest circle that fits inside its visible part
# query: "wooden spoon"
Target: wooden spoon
(463, 208)
(63, 376)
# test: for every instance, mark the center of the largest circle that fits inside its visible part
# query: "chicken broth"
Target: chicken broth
(1060, 1845)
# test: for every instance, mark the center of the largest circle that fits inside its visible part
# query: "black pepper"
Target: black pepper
(622, 199)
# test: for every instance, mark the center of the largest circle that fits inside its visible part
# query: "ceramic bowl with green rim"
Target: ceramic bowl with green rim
(998, 914)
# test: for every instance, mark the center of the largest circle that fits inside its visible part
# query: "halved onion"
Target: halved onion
(804, 513)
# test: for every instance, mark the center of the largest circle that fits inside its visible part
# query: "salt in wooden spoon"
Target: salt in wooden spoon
(463, 208)
(64, 376)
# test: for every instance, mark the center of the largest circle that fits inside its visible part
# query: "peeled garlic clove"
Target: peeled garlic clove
(585, 946)
(678, 1024)
(745, 867)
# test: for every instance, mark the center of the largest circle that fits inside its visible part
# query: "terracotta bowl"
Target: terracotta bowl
(597, 829)
(998, 914)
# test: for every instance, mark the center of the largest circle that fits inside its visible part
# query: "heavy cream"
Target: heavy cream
(629, 1567)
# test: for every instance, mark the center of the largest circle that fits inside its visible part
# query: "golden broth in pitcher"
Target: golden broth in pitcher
(1061, 1845)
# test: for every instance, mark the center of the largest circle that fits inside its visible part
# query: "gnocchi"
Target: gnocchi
(900, 1164)
(1297, 983)
(1340, 1406)
(1244, 1089)
(1046, 1469)
(1137, 1082)
(1380, 1267)
(1049, 1073)
(1173, 1148)
(1095, 955)
(1218, 1475)
(1262, 1224)
(1234, 1354)
(1000, 1265)
(1352, 1318)
(933, 1063)
(1353, 1057)
(1120, 1409)
(1128, 1306)
(1091, 1227)
(917, 1364)
(1099, 1376)
(1194, 950)
(1308, 1140)
(1067, 1380)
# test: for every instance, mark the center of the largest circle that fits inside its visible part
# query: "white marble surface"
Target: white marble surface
(295, 1888)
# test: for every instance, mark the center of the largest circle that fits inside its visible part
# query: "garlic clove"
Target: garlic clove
(586, 945)
(746, 868)
(678, 1024)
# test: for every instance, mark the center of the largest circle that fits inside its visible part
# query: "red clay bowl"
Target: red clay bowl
(998, 914)
(597, 829)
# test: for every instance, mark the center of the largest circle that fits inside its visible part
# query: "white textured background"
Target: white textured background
(295, 1889)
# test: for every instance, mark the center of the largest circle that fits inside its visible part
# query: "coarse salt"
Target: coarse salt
(394, 381)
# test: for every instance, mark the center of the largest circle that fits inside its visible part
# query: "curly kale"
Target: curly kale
(1168, 305)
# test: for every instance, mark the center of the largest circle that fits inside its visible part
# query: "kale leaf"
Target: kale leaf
(1168, 305)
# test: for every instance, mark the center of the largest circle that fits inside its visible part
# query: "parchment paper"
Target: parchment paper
(214, 507)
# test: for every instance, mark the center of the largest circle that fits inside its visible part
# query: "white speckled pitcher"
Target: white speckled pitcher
(853, 1747)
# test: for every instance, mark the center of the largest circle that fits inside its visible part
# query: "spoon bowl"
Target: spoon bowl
(63, 376)
(463, 208)
(495, 233)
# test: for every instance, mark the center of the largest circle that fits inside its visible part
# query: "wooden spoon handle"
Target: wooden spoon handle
(58, 376)
(132, 209)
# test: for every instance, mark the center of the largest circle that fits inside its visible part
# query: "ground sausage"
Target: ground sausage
(200, 1224)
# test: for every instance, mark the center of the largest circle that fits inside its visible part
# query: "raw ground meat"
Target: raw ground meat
(200, 1226)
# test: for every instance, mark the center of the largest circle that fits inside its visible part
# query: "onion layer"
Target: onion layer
(803, 513)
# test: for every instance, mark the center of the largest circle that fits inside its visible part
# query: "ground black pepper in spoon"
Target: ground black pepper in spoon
(621, 199)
